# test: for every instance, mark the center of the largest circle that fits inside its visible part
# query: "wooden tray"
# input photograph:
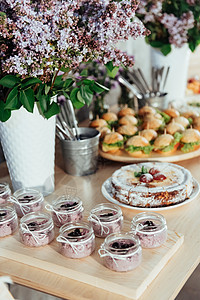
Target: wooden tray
(90, 270)
(122, 156)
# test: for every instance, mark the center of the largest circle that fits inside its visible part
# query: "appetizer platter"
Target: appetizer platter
(149, 135)
(151, 186)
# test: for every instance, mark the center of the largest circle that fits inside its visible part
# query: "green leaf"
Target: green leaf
(111, 70)
(27, 99)
(156, 44)
(98, 88)
(68, 82)
(84, 73)
(44, 100)
(73, 94)
(53, 109)
(79, 97)
(12, 99)
(9, 81)
(88, 81)
(86, 94)
(166, 49)
(47, 88)
(4, 113)
(30, 82)
(58, 81)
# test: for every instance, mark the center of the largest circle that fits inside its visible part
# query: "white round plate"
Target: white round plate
(106, 191)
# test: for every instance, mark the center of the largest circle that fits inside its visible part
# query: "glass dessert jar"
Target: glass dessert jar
(76, 240)
(36, 229)
(66, 210)
(121, 252)
(8, 220)
(27, 201)
(5, 192)
(105, 219)
(151, 228)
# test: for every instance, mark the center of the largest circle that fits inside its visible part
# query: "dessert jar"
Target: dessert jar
(105, 219)
(5, 193)
(36, 229)
(121, 252)
(66, 210)
(27, 201)
(76, 240)
(8, 220)
(151, 228)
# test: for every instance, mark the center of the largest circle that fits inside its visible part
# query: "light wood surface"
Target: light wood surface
(90, 270)
(171, 278)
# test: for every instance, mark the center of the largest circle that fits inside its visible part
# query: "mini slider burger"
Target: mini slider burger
(190, 140)
(146, 110)
(182, 120)
(126, 111)
(128, 120)
(110, 118)
(174, 127)
(196, 123)
(112, 142)
(138, 146)
(152, 123)
(172, 112)
(149, 134)
(98, 123)
(166, 143)
(127, 131)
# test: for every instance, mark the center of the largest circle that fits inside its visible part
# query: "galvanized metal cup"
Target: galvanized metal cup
(81, 156)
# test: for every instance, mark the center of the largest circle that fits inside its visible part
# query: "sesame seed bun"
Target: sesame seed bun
(190, 114)
(109, 116)
(146, 110)
(174, 127)
(127, 129)
(126, 111)
(98, 123)
(182, 120)
(128, 120)
(190, 136)
(148, 134)
(172, 112)
(163, 140)
(152, 124)
(137, 141)
(112, 138)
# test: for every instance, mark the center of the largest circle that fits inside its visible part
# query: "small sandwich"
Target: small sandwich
(190, 114)
(126, 111)
(127, 131)
(174, 127)
(110, 117)
(103, 130)
(166, 143)
(196, 123)
(98, 123)
(146, 110)
(112, 142)
(172, 112)
(182, 120)
(138, 146)
(149, 134)
(190, 140)
(152, 123)
(128, 120)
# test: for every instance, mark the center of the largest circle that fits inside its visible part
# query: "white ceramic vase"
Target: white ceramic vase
(28, 142)
(178, 61)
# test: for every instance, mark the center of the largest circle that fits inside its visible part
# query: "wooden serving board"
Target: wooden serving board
(90, 269)
(122, 156)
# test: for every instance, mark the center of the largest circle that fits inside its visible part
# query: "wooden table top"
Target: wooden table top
(170, 280)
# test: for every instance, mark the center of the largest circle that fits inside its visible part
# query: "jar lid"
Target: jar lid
(27, 197)
(75, 232)
(120, 245)
(4, 189)
(148, 223)
(36, 221)
(105, 213)
(7, 213)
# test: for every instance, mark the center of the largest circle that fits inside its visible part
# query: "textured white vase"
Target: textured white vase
(28, 142)
(178, 61)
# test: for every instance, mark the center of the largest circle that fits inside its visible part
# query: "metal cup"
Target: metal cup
(81, 156)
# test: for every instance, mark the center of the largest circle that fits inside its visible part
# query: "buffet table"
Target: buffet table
(165, 286)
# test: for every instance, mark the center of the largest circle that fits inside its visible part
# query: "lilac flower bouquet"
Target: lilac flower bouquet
(42, 42)
(171, 22)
